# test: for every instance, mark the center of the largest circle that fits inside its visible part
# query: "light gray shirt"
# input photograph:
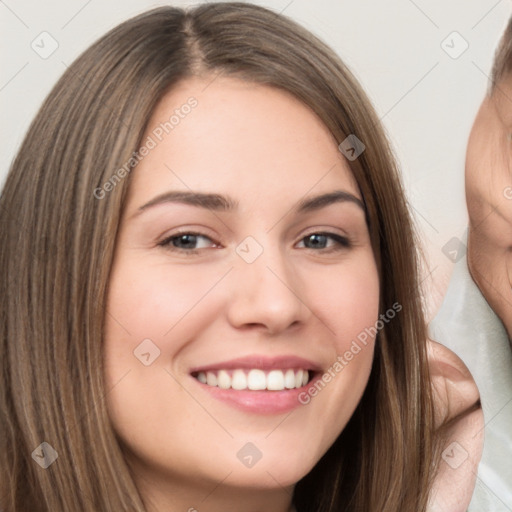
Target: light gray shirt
(470, 328)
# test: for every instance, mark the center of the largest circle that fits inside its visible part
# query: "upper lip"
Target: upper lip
(261, 362)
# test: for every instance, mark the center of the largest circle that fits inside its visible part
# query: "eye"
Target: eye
(324, 241)
(187, 242)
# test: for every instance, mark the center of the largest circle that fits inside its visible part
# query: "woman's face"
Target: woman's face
(242, 263)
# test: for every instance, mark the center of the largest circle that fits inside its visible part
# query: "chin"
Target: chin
(268, 478)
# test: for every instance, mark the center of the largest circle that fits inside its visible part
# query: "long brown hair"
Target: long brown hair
(58, 241)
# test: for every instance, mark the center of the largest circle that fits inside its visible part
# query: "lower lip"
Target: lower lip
(260, 402)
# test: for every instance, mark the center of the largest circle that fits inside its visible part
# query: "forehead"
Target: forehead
(240, 137)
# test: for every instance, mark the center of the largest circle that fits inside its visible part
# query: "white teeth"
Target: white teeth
(255, 379)
(211, 378)
(289, 379)
(298, 378)
(223, 380)
(275, 380)
(239, 380)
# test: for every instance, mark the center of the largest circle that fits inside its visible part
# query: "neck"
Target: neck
(194, 495)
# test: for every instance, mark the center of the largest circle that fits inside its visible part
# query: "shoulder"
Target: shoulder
(455, 390)
(460, 422)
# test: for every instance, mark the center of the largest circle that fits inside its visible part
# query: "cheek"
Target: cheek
(152, 314)
(151, 301)
(348, 304)
(346, 297)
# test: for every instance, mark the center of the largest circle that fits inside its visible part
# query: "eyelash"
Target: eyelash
(167, 242)
(340, 242)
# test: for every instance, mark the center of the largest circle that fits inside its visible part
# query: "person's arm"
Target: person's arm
(460, 421)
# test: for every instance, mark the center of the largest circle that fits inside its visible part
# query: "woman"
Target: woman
(180, 346)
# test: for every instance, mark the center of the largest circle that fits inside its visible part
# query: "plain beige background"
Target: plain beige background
(424, 63)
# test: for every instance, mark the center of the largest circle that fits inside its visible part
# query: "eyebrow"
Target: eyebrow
(219, 202)
(215, 202)
(323, 200)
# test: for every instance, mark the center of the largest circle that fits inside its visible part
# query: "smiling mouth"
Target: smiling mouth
(255, 379)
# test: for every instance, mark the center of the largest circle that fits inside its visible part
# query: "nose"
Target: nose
(266, 295)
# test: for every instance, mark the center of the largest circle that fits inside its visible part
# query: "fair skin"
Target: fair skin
(489, 200)
(307, 295)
